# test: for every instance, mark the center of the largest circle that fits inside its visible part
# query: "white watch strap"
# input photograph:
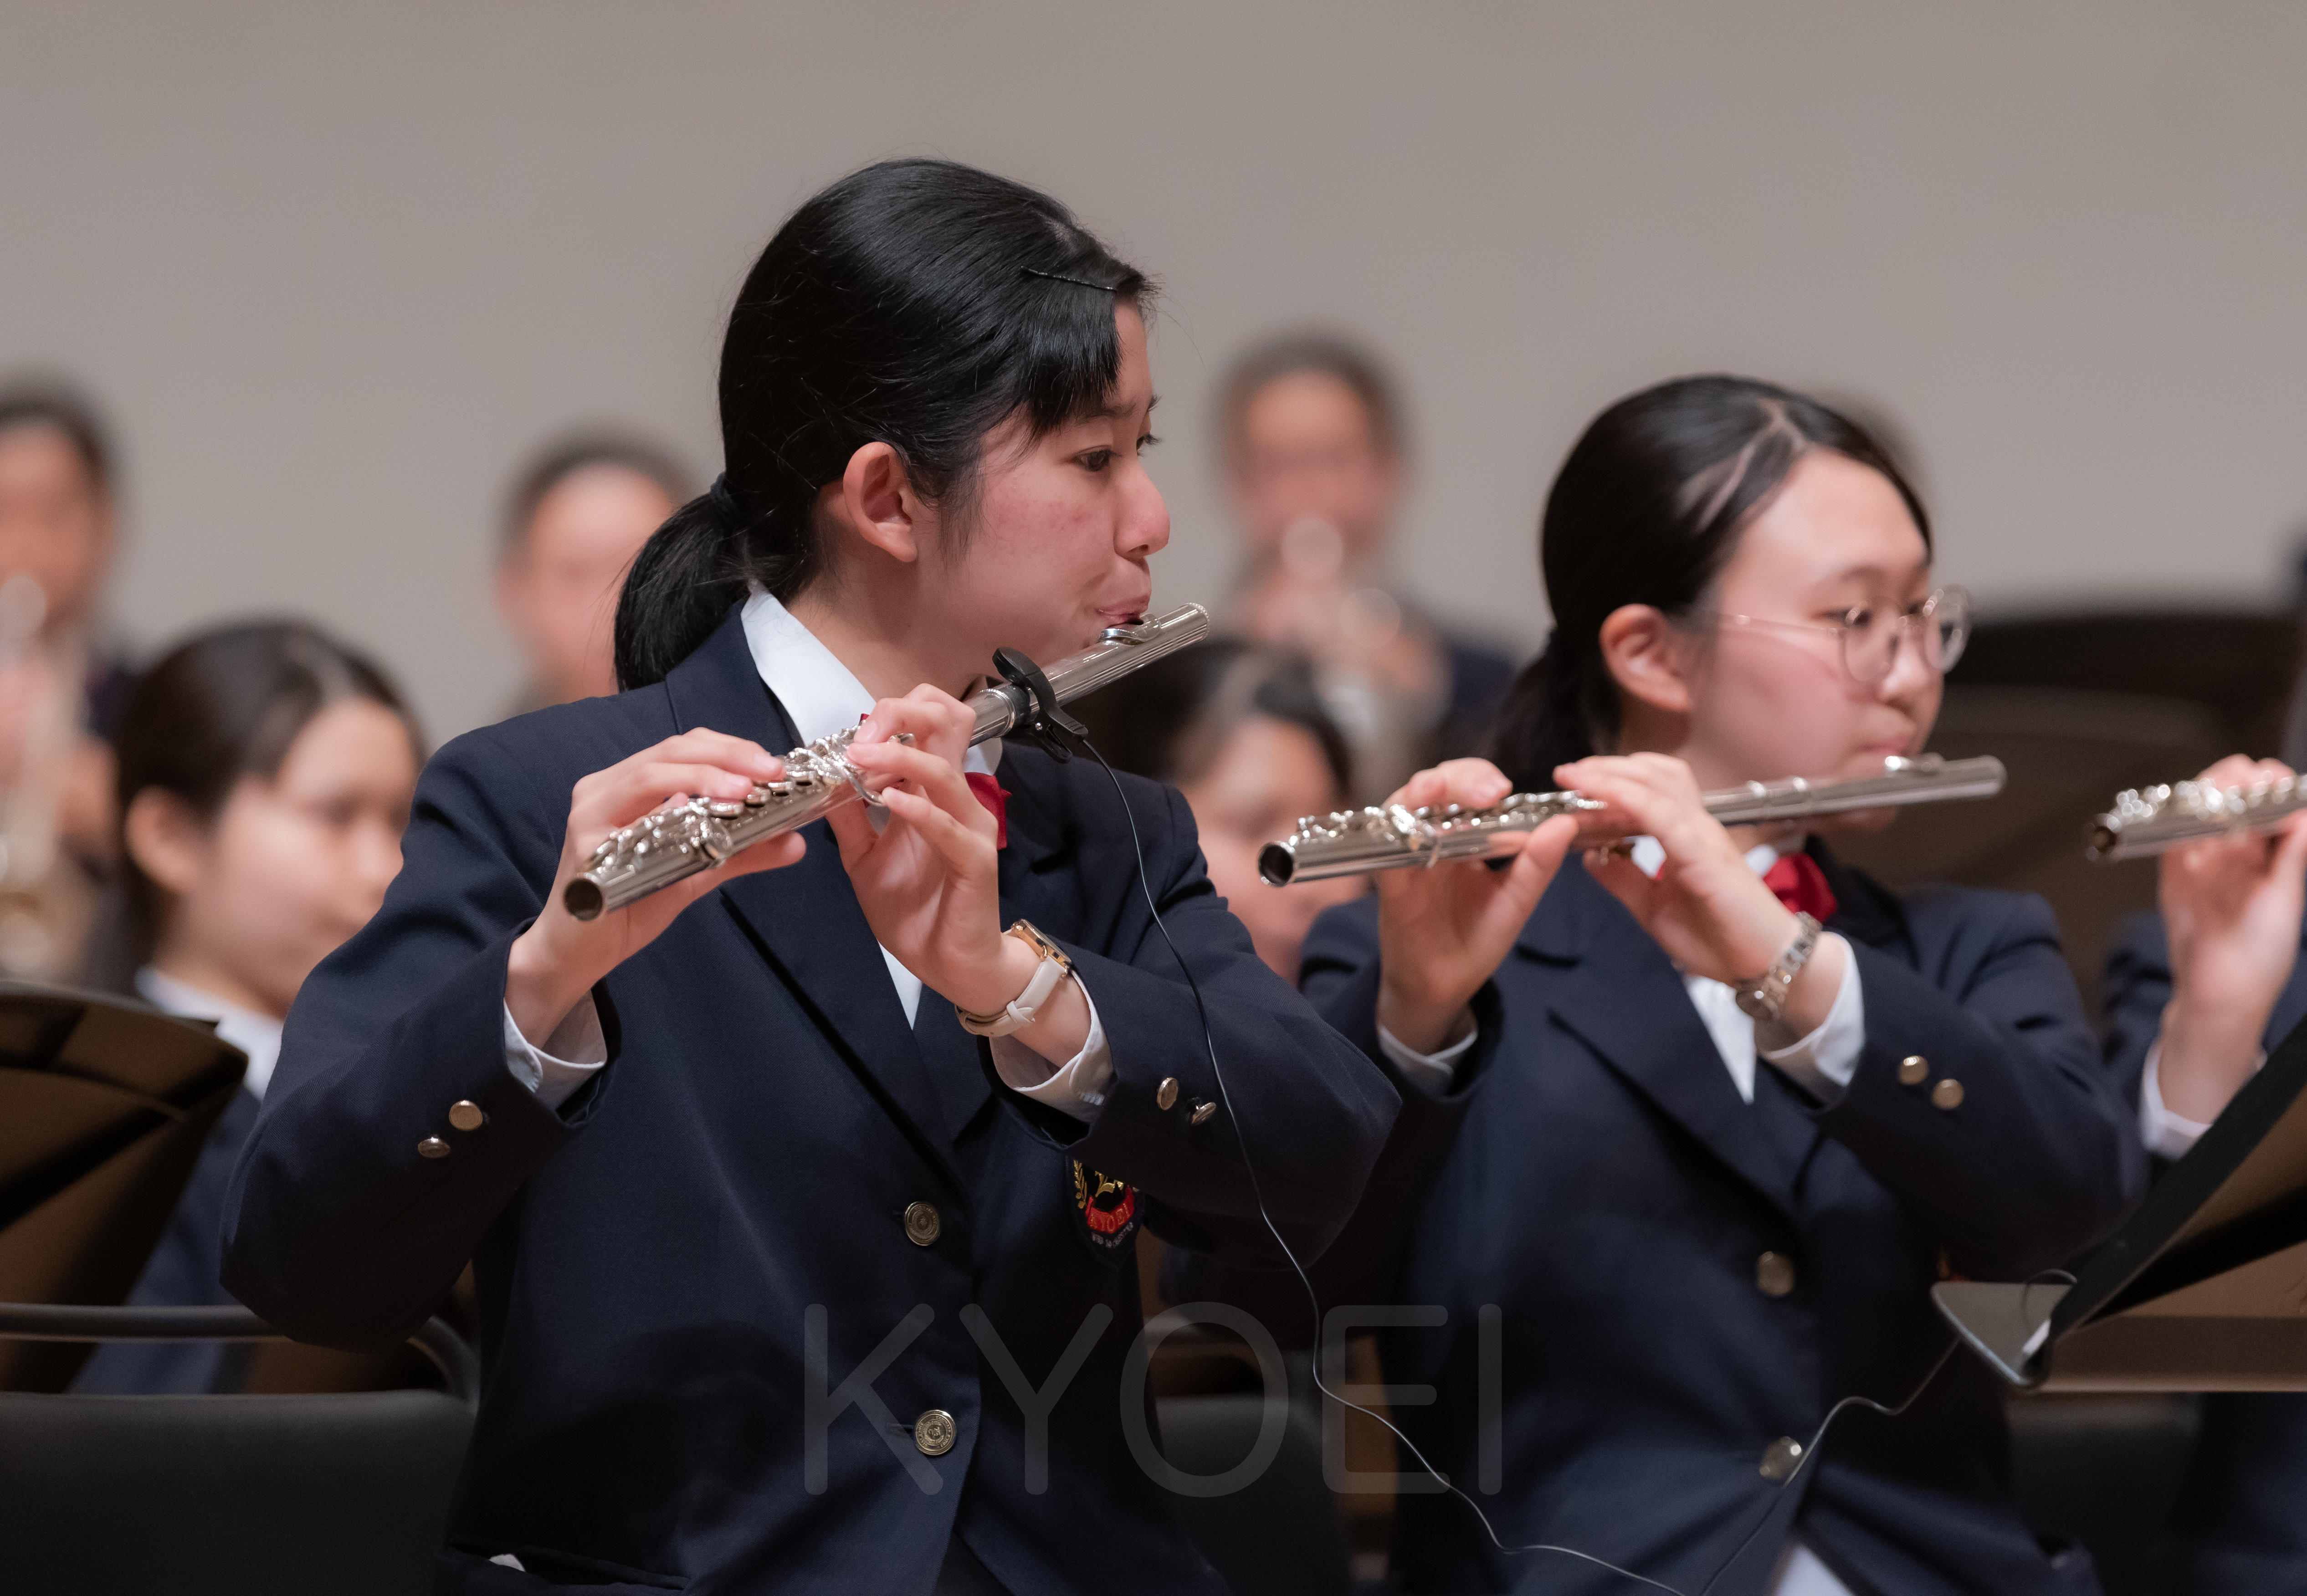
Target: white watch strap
(1026, 1004)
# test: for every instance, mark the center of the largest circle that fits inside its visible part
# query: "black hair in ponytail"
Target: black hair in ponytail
(916, 303)
(1647, 510)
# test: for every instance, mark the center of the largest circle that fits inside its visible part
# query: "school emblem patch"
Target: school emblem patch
(1107, 1209)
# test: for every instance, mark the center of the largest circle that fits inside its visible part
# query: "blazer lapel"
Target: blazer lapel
(805, 920)
(1623, 998)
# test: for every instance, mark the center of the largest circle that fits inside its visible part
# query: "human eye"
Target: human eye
(1094, 460)
(1145, 442)
(1858, 617)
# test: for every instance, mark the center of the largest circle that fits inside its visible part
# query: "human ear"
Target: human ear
(1645, 657)
(164, 840)
(875, 500)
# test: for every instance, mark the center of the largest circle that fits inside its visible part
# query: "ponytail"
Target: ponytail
(1554, 714)
(681, 585)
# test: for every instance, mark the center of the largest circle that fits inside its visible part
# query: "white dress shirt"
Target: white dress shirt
(1821, 1063)
(2167, 1135)
(823, 697)
(256, 1035)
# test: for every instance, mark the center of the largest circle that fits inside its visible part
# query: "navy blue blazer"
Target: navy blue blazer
(182, 1272)
(721, 1213)
(2240, 1527)
(1595, 1175)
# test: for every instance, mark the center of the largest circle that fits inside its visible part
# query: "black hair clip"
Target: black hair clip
(1060, 277)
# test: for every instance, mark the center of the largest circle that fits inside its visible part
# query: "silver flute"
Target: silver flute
(1358, 840)
(2149, 821)
(675, 843)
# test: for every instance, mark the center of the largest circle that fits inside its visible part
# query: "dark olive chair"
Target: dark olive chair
(1281, 1534)
(225, 1496)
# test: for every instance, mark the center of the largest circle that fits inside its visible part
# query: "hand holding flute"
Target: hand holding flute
(1442, 931)
(556, 961)
(2231, 907)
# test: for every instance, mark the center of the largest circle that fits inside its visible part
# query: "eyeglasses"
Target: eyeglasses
(1870, 636)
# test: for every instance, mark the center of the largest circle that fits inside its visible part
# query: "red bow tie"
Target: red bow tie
(991, 794)
(1801, 885)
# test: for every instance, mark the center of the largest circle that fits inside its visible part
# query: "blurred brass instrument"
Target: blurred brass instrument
(1357, 840)
(2149, 821)
(674, 844)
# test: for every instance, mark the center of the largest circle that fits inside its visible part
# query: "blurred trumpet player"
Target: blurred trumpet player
(57, 691)
(1316, 469)
(2196, 995)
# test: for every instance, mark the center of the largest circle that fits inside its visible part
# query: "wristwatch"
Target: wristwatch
(1054, 967)
(1764, 996)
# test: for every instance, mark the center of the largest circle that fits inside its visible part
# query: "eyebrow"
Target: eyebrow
(1857, 572)
(1116, 412)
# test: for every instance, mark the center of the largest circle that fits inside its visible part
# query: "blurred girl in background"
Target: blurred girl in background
(1241, 734)
(266, 773)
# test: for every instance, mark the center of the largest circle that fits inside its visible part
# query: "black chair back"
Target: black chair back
(226, 1495)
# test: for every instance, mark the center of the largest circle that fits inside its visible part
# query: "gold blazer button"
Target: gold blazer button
(922, 1225)
(1946, 1093)
(1774, 1274)
(934, 1433)
(465, 1114)
(1782, 1457)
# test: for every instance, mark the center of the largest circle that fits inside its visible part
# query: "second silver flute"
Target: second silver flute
(671, 844)
(1358, 840)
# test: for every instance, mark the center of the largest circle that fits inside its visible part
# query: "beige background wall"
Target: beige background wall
(334, 268)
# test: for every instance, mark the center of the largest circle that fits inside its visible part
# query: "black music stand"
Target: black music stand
(2205, 1289)
(104, 1105)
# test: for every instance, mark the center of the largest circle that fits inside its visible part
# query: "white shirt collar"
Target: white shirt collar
(821, 694)
(256, 1035)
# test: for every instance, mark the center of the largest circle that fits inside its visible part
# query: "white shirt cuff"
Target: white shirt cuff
(567, 1060)
(2167, 1134)
(1823, 1062)
(1435, 1072)
(1075, 1087)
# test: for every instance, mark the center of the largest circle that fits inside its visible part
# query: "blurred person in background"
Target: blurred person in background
(1242, 734)
(266, 773)
(1316, 467)
(579, 514)
(59, 693)
(2196, 996)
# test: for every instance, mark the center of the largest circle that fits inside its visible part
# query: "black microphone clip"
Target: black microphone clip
(1042, 716)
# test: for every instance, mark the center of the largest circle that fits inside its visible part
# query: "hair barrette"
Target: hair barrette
(1060, 277)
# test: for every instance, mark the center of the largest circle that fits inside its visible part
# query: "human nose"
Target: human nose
(1144, 520)
(1913, 664)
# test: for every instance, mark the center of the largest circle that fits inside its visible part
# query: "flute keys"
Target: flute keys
(758, 798)
(722, 809)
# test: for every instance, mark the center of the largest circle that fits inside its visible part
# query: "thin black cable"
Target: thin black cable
(1811, 1452)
